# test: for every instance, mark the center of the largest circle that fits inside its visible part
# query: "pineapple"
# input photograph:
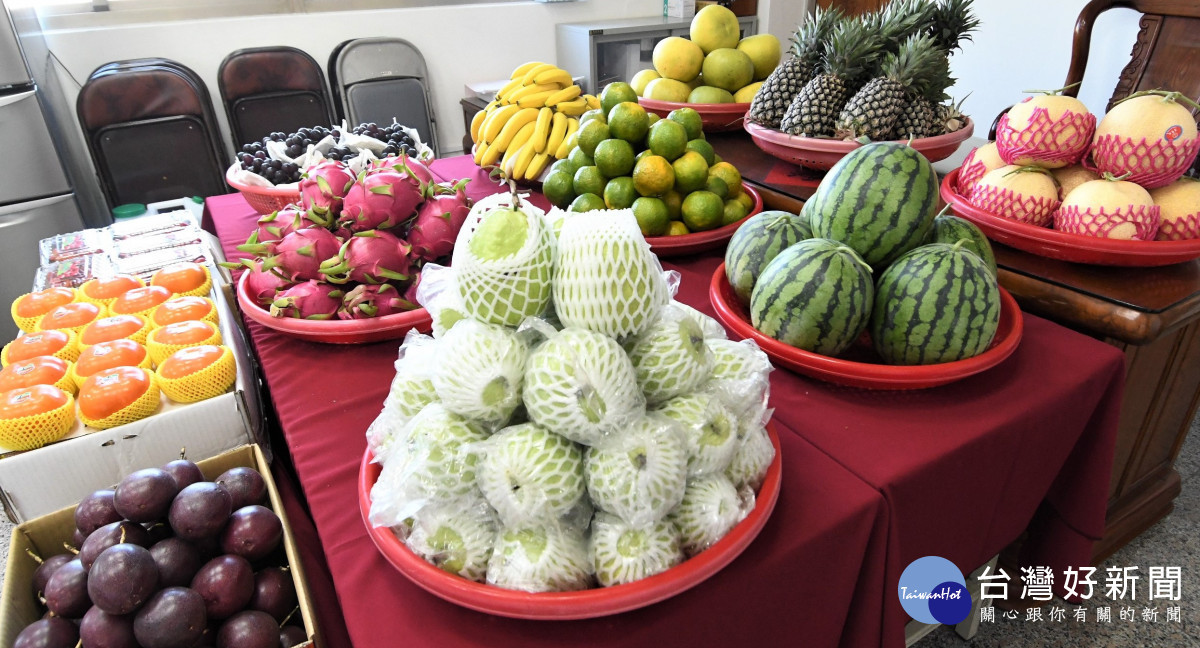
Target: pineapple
(849, 52)
(952, 23)
(919, 117)
(777, 91)
(924, 115)
(898, 21)
(873, 110)
(949, 118)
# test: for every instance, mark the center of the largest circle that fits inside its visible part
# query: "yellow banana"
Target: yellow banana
(524, 157)
(537, 165)
(541, 131)
(519, 73)
(480, 149)
(536, 100)
(523, 136)
(528, 90)
(490, 155)
(569, 141)
(532, 73)
(558, 132)
(592, 101)
(476, 123)
(507, 89)
(566, 94)
(508, 162)
(573, 108)
(555, 75)
(511, 127)
(492, 127)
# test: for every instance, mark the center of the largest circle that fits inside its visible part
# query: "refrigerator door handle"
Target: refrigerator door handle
(8, 100)
(28, 208)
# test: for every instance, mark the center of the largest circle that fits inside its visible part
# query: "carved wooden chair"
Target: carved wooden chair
(1166, 54)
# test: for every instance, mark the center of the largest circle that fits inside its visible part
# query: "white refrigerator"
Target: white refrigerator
(37, 198)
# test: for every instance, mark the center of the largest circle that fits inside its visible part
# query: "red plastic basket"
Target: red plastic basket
(671, 246)
(821, 153)
(714, 117)
(264, 200)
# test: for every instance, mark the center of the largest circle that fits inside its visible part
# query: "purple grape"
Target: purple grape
(253, 532)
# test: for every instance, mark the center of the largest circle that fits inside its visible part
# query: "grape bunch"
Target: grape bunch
(168, 560)
(254, 157)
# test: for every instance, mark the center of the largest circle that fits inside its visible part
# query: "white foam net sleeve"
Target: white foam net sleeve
(508, 289)
(411, 390)
(606, 279)
(456, 536)
(670, 356)
(624, 553)
(438, 294)
(580, 384)
(752, 458)
(540, 558)
(480, 370)
(740, 378)
(639, 475)
(711, 327)
(530, 475)
(710, 431)
(711, 507)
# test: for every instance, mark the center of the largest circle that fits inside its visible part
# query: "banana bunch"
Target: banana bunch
(532, 119)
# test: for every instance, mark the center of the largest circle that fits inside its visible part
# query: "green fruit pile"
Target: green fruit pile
(663, 169)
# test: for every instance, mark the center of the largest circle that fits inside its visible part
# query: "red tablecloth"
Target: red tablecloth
(872, 480)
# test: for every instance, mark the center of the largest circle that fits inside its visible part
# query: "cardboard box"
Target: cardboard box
(40, 481)
(679, 8)
(738, 7)
(44, 536)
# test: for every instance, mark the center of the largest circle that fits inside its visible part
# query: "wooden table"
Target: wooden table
(1151, 314)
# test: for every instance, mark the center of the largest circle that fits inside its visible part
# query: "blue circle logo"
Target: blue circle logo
(933, 590)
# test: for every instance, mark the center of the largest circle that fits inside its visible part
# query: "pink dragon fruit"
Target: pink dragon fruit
(414, 168)
(323, 189)
(410, 294)
(379, 199)
(438, 221)
(373, 301)
(271, 229)
(298, 256)
(372, 257)
(261, 285)
(313, 300)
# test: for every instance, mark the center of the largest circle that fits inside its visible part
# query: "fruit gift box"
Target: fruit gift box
(235, 583)
(204, 400)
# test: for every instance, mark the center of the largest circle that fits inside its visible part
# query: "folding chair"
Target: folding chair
(270, 89)
(381, 79)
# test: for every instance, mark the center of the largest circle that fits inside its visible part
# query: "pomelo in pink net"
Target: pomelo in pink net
(1179, 207)
(1026, 194)
(1050, 131)
(1109, 208)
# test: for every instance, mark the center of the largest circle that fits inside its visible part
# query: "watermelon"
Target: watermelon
(880, 200)
(815, 295)
(938, 303)
(948, 228)
(756, 242)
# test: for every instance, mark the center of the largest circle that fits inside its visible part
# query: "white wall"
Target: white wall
(1026, 45)
(461, 43)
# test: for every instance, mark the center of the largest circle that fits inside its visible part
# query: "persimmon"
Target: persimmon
(107, 392)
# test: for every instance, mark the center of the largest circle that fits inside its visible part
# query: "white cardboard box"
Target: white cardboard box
(679, 8)
(38, 482)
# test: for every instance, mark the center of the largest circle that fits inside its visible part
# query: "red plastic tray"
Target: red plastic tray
(821, 153)
(264, 200)
(584, 604)
(1051, 243)
(361, 331)
(715, 117)
(860, 366)
(672, 246)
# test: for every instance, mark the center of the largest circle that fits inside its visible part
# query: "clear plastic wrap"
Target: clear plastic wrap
(438, 294)
(73, 272)
(74, 244)
(412, 389)
(710, 431)
(711, 507)
(540, 558)
(713, 330)
(624, 553)
(480, 370)
(753, 456)
(503, 261)
(639, 475)
(670, 356)
(580, 384)
(137, 245)
(151, 224)
(740, 378)
(455, 535)
(606, 279)
(145, 265)
(530, 474)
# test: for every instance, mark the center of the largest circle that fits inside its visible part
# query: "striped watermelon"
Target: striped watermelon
(938, 303)
(948, 228)
(815, 295)
(756, 242)
(880, 200)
